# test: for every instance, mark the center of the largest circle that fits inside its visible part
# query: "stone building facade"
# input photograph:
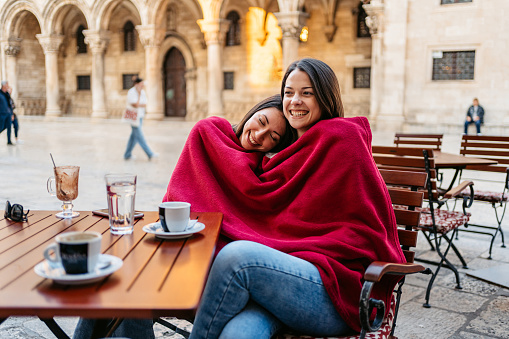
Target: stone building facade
(405, 64)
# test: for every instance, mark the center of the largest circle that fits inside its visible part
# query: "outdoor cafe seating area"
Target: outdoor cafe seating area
(453, 184)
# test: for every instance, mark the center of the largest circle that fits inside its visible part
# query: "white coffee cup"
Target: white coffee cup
(77, 252)
(174, 215)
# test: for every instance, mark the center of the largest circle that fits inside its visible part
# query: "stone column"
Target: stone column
(214, 31)
(387, 21)
(151, 38)
(374, 22)
(50, 45)
(11, 49)
(291, 24)
(98, 42)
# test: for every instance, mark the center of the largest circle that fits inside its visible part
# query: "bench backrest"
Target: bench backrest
(408, 159)
(406, 219)
(487, 147)
(432, 141)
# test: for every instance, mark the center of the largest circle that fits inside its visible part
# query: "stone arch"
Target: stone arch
(104, 10)
(157, 12)
(23, 60)
(57, 12)
(12, 15)
(175, 40)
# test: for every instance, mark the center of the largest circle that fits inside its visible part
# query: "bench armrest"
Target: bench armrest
(376, 270)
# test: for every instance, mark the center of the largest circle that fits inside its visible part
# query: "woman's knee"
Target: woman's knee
(238, 254)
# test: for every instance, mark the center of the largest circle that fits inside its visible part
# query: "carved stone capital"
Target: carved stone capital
(375, 11)
(50, 42)
(12, 46)
(291, 23)
(214, 31)
(150, 35)
(97, 40)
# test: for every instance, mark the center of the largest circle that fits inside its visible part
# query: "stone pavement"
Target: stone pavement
(479, 310)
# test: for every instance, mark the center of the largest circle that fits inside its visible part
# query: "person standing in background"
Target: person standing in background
(475, 115)
(137, 99)
(14, 120)
(6, 111)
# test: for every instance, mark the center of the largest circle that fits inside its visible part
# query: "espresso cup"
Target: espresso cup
(174, 215)
(77, 252)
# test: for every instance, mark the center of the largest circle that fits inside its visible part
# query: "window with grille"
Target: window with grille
(362, 77)
(127, 80)
(228, 80)
(362, 28)
(81, 46)
(233, 34)
(457, 65)
(83, 82)
(129, 37)
(445, 2)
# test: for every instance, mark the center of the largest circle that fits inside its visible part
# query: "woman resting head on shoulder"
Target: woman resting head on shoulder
(310, 92)
(264, 128)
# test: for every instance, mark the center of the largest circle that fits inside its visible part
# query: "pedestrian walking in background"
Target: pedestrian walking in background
(137, 100)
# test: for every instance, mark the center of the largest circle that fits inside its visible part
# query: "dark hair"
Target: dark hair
(325, 85)
(276, 102)
(137, 80)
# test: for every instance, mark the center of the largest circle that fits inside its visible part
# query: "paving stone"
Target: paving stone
(467, 335)
(475, 286)
(417, 322)
(494, 320)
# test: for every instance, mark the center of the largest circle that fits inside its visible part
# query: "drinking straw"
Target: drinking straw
(54, 166)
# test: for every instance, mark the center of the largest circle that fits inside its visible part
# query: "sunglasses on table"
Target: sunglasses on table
(15, 212)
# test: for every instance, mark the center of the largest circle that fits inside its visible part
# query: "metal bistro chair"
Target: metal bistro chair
(493, 148)
(436, 223)
(407, 219)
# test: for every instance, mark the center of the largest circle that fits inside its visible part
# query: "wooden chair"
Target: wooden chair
(493, 148)
(428, 141)
(436, 223)
(407, 220)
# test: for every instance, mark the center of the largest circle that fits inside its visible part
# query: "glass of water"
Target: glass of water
(121, 190)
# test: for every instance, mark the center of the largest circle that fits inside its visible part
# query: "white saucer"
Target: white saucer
(157, 229)
(107, 264)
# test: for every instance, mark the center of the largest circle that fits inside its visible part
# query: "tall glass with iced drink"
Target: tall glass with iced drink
(65, 186)
(121, 191)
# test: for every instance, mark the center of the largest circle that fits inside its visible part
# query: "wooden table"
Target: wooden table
(457, 162)
(158, 277)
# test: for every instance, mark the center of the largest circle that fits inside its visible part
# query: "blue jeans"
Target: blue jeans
(137, 137)
(253, 291)
(477, 125)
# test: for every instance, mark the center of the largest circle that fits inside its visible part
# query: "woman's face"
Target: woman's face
(264, 130)
(300, 105)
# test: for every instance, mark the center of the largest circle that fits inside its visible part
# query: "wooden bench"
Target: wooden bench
(429, 141)
(407, 220)
(437, 224)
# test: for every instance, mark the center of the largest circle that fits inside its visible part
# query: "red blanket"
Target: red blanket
(322, 199)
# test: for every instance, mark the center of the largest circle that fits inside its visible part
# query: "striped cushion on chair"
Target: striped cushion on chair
(382, 333)
(488, 196)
